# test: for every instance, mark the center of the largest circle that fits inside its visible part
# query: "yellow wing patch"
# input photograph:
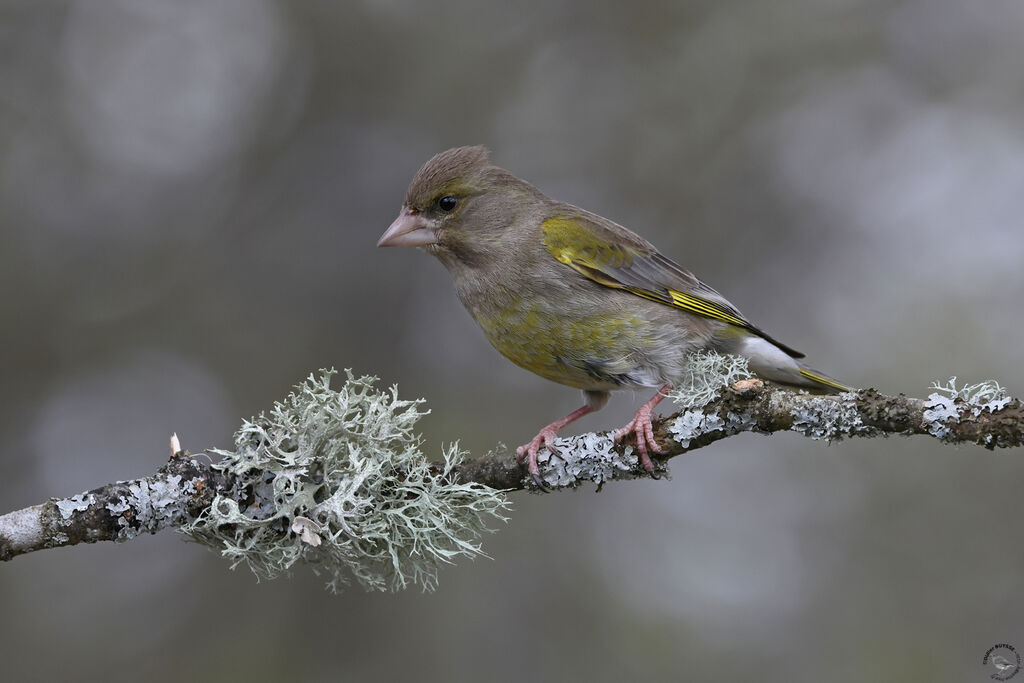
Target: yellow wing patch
(577, 247)
(706, 308)
(607, 262)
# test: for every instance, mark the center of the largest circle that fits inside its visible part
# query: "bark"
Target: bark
(184, 487)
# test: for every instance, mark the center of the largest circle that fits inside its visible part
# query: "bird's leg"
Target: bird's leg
(595, 400)
(641, 426)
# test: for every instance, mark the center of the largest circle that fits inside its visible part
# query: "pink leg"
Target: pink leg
(641, 426)
(546, 437)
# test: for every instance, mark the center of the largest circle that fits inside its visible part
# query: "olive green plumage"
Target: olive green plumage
(569, 295)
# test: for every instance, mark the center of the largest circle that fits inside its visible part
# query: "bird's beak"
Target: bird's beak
(410, 229)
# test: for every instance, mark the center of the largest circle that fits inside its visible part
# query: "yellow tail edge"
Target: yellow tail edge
(821, 379)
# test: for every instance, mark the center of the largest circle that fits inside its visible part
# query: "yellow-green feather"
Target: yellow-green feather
(573, 244)
(821, 379)
(559, 348)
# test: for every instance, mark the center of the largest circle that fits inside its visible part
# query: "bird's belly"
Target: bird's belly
(601, 351)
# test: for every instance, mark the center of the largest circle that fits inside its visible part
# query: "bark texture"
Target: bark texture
(185, 487)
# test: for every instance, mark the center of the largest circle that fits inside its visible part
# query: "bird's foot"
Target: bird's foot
(641, 426)
(545, 439)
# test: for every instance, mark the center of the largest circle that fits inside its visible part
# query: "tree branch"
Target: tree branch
(184, 489)
(754, 406)
(179, 491)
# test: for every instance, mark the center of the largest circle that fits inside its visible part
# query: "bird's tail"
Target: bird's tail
(769, 361)
(822, 381)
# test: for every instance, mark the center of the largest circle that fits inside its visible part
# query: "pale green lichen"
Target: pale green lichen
(155, 502)
(693, 423)
(981, 397)
(831, 419)
(949, 403)
(336, 479)
(707, 373)
(76, 503)
(938, 410)
(587, 457)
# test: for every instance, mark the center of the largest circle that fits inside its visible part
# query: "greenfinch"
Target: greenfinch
(574, 297)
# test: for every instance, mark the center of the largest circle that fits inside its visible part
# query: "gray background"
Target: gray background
(190, 194)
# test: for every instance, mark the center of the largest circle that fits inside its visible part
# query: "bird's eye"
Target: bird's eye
(447, 203)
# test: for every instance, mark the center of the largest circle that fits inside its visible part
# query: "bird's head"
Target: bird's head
(458, 207)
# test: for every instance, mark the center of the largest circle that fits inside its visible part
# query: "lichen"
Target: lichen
(987, 396)
(76, 503)
(346, 467)
(938, 410)
(693, 423)
(743, 421)
(586, 457)
(831, 419)
(155, 502)
(707, 373)
(950, 403)
(122, 505)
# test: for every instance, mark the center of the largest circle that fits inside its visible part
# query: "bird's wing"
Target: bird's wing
(612, 256)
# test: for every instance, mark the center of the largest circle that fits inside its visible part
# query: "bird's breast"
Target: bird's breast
(590, 350)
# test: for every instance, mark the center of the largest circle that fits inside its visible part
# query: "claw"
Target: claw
(642, 428)
(544, 438)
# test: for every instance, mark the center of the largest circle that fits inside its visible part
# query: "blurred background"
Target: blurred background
(190, 194)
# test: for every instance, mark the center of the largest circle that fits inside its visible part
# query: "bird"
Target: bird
(1003, 665)
(575, 297)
